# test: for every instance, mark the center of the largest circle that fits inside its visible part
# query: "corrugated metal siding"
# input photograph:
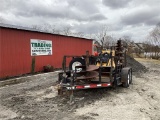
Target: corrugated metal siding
(15, 50)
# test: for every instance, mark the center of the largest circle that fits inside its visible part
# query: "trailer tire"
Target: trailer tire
(130, 72)
(126, 77)
(76, 62)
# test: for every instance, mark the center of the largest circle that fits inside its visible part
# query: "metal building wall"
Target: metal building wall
(16, 56)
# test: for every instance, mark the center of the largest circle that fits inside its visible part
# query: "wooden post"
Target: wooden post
(87, 58)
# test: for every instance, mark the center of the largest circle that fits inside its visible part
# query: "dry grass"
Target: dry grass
(148, 60)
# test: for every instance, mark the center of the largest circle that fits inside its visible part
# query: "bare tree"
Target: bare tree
(37, 27)
(66, 30)
(155, 41)
(101, 35)
(127, 39)
(78, 34)
(90, 36)
(155, 35)
(152, 43)
(47, 28)
(53, 29)
(109, 41)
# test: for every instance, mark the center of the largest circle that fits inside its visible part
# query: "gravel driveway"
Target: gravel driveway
(37, 100)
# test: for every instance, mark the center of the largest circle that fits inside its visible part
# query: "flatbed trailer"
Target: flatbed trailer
(87, 75)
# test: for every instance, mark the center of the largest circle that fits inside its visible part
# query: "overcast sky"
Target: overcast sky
(133, 18)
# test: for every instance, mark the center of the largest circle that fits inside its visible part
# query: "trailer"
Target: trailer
(107, 69)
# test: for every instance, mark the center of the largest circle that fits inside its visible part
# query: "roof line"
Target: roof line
(34, 30)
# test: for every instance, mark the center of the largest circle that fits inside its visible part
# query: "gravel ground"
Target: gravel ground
(38, 100)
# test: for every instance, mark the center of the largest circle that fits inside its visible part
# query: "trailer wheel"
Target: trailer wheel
(126, 77)
(76, 62)
(130, 74)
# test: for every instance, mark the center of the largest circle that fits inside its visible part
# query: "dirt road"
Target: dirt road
(38, 100)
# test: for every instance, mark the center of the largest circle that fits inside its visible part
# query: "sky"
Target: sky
(134, 18)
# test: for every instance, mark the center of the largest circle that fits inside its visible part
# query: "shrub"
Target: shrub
(48, 68)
